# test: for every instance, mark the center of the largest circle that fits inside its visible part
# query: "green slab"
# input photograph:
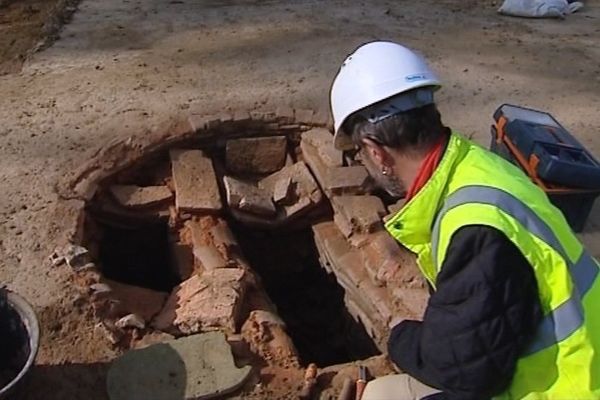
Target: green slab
(195, 367)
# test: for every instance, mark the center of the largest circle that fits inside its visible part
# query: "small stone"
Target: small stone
(260, 155)
(195, 181)
(131, 321)
(208, 301)
(98, 288)
(56, 259)
(139, 197)
(76, 256)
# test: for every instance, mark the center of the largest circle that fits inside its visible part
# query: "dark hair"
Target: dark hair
(417, 129)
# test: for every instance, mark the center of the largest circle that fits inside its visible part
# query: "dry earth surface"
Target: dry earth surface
(120, 68)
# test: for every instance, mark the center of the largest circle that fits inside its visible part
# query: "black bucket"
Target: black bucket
(20, 333)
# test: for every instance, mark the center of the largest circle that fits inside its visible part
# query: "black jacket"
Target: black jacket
(478, 321)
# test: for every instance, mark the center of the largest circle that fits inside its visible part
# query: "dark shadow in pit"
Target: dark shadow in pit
(309, 300)
(139, 256)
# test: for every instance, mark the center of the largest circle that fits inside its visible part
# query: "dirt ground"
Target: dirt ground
(120, 68)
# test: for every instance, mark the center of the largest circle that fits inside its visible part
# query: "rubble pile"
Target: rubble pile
(263, 172)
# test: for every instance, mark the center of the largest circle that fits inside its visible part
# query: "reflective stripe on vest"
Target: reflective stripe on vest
(561, 322)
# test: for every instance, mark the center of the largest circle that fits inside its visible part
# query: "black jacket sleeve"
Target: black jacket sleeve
(478, 321)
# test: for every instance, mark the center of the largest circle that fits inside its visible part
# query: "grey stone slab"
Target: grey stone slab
(195, 367)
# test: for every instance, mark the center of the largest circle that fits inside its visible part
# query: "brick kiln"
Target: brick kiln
(247, 223)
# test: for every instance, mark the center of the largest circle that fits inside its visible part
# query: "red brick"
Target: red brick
(334, 180)
(322, 140)
(414, 300)
(203, 247)
(195, 181)
(204, 302)
(256, 155)
(363, 213)
(307, 192)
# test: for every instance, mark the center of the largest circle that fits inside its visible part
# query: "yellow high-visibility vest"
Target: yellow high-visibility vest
(472, 186)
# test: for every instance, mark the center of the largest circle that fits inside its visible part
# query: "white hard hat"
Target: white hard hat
(375, 72)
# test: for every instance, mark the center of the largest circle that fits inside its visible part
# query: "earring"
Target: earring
(384, 171)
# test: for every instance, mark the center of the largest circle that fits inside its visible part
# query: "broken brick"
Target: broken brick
(259, 155)
(334, 180)
(266, 335)
(203, 247)
(307, 192)
(322, 140)
(137, 196)
(195, 181)
(247, 197)
(119, 299)
(203, 302)
(362, 213)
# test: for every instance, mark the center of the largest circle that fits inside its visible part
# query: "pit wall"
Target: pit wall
(380, 278)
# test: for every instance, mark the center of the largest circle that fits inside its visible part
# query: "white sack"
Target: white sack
(539, 8)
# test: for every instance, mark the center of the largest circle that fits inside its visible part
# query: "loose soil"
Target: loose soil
(27, 26)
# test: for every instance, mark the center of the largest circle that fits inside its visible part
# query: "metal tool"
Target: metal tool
(361, 382)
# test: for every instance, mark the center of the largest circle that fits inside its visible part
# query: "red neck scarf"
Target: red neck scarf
(427, 168)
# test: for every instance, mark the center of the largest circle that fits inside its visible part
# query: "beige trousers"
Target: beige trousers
(397, 387)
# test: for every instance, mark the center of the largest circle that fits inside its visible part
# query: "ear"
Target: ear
(378, 154)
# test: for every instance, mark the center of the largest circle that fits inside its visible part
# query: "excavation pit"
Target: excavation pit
(253, 225)
(138, 256)
(308, 299)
